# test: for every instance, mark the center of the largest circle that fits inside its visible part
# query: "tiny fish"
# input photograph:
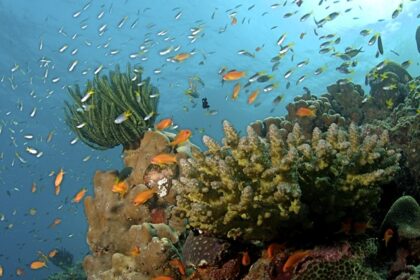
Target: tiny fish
(305, 17)
(72, 65)
(380, 46)
(281, 39)
(86, 158)
(397, 11)
(149, 116)
(32, 151)
(63, 48)
(98, 69)
(123, 117)
(81, 125)
(122, 22)
(373, 39)
(178, 15)
(33, 112)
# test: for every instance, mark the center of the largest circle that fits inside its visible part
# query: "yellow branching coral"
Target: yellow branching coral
(255, 188)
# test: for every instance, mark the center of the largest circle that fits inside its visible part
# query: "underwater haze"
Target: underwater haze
(193, 52)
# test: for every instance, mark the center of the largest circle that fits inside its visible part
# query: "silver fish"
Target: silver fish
(72, 65)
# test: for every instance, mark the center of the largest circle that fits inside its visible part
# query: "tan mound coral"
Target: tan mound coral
(129, 241)
(255, 188)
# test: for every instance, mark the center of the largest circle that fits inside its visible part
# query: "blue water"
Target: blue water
(26, 25)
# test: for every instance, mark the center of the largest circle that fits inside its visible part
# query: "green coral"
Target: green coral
(93, 120)
(255, 188)
(404, 216)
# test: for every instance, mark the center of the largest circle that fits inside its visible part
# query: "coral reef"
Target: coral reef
(346, 98)
(388, 89)
(201, 250)
(299, 179)
(74, 272)
(404, 217)
(63, 259)
(125, 96)
(339, 261)
(254, 188)
(129, 241)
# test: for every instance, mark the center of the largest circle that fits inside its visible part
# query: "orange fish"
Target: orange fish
(135, 251)
(236, 90)
(38, 264)
(181, 57)
(388, 234)
(233, 75)
(56, 222)
(181, 137)
(57, 190)
(179, 265)
(144, 196)
(120, 187)
(164, 158)
(163, 278)
(294, 259)
(246, 260)
(79, 196)
(33, 188)
(345, 227)
(59, 178)
(163, 124)
(20, 271)
(253, 96)
(234, 20)
(52, 253)
(305, 112)
(1, 271)
(361, 227)
(274, 248)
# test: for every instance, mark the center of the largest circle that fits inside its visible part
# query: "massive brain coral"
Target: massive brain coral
(255, 188)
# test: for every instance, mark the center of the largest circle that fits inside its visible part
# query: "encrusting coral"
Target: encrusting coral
(93, 114)
(253, 188)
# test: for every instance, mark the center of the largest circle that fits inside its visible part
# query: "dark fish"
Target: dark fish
(278, 99)
(380, 47)
(333, 15)
(264, 78)
(418, 38)
(394, 52)
(397, 11)
(372, 40)
(124, 173)
(305, 17)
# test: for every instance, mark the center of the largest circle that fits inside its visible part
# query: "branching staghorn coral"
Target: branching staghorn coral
(254, 188)
(94, 119)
